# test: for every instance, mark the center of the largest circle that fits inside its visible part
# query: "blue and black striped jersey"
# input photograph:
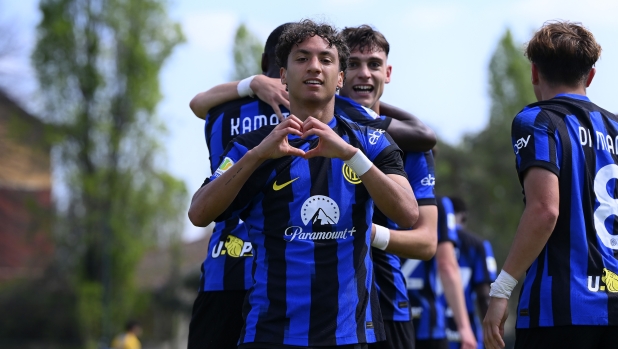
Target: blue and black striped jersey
(422, 280)
(308, 221)
(390, 280)
(574, 279)
(228, 264)
(477, 265)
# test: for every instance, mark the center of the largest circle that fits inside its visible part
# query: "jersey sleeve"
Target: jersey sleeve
(447, 230)
(383, 152)
(233, 153)
(421, 176)
(535, 141)
(355, 112)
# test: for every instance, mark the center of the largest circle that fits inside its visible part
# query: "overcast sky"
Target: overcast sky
(440, 51)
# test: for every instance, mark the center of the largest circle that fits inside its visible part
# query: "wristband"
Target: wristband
(503, 286)
(359, 163)
(382, 237)
(244, 87)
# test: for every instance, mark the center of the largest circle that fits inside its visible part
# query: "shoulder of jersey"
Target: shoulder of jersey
(223, 107)
(253, 138)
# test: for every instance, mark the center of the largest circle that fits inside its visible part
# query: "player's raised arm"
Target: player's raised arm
(210, 201)
(391, 193)
(269, 90)
(410, 133)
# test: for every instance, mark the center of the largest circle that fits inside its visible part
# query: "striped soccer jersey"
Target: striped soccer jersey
(228, 264)
(308, 221)
(422, 280)
(477, 265)
(390, 280)
(574, 279)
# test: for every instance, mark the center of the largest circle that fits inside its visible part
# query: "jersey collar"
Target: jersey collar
(574, 96)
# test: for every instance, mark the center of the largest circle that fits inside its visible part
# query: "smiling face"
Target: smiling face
(312, 72)
(366, 75)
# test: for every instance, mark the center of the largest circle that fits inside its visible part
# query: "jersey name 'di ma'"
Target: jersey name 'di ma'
(390, 280)
(308, 221)
(422, 280)
(228, 263)
(477, 265)
(574, 279)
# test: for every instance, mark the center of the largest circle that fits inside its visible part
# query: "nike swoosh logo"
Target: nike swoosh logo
(281, 186)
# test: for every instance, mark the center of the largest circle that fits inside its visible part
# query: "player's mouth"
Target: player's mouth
(313, 82)
(363, 89)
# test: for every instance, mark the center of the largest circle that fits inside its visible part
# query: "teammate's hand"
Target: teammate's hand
(373, 232)
(330, 144)
(493, 325)
(468, 341)
(271, 91)
(276, 145)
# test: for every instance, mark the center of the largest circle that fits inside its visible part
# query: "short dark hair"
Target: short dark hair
(131, 325)
(459, 206)
(273, 38)
(364, 37)
(296, 33)
(564, 52)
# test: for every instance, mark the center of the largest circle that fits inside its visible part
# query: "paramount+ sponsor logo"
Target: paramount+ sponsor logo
(320, 211)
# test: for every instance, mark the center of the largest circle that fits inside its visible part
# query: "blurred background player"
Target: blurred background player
(477, 266)
(428, 313)
(565, 150)
(128, 339)
(288, 185)
(368, 72)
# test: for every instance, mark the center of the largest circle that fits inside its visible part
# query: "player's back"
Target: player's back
(573, 280)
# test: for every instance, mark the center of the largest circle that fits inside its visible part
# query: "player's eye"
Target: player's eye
(352, 65)
(375, 65)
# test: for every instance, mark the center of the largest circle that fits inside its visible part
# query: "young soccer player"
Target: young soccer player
(310, 226)
(565, 149)
(225, 278)
(478, 270)
(368, 73)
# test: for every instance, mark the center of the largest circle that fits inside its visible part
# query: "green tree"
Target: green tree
(482, 168)
(247, 53)
(98, 64)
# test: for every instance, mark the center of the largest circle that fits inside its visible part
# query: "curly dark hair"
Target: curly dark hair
(364, 37)
(296, 33)
(564, 52)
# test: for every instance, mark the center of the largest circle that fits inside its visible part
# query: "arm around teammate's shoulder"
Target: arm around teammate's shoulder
(410, 133)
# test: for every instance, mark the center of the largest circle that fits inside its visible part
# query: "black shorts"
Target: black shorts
(432, 344)
(216, 320)
(588, 337)
(399, 335)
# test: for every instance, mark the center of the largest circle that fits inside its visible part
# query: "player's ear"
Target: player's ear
(389, 70)
(283, 72)
(535, 74)
(340, 79)
(590, 76)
